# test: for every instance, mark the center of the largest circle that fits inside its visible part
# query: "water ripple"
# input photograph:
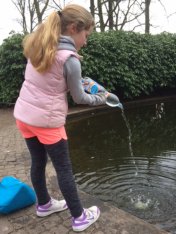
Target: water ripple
(136, 169)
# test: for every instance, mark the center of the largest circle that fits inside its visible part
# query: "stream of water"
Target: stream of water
(130, 140)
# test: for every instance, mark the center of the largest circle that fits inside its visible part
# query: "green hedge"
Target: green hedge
(128, 64)
(12, 64)
(131, 64)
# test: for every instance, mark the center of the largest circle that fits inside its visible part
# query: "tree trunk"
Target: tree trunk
(100, 14)
(92, 8)
(147, 16)
(110, 14)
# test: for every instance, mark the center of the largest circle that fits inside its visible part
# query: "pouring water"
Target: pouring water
(113, 101)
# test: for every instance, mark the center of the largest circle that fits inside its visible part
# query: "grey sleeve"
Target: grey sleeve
(72, 73)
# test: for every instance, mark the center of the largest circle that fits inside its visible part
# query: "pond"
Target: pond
(129, 159)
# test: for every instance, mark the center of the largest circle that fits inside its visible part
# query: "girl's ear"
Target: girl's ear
(72, 28)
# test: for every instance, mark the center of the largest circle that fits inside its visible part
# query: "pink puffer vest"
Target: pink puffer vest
(43, 97)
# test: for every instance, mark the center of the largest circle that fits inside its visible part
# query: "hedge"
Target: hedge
(126, 63)
(130, 63)
(12, 64)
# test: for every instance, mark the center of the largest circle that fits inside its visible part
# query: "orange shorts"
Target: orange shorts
(45, 135)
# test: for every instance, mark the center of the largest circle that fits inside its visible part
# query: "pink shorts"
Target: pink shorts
(45, 135)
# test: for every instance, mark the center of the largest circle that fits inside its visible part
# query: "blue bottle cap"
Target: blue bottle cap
(94, 89)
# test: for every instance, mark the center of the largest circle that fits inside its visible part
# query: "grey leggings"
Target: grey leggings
(59, 155)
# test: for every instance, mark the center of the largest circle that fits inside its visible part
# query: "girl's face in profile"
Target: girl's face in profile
(80, 38)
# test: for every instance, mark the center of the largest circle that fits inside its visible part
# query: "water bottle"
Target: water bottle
(93, 87)
(113, 101)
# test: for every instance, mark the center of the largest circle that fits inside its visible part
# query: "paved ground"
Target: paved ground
(15, 161)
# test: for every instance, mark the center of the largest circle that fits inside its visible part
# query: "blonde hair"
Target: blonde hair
(41, 45)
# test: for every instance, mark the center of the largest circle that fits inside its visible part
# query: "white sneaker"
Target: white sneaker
(88, 217)
(51, 207)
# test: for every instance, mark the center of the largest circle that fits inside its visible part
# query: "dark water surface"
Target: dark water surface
(129, 160)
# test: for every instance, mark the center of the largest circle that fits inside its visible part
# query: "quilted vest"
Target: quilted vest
(42, 101)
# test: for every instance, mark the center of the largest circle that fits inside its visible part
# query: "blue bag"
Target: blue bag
(15, 195)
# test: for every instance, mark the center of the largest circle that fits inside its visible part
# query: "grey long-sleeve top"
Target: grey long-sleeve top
(73, 76)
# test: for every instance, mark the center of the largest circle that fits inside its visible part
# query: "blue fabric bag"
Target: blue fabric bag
(15, 195)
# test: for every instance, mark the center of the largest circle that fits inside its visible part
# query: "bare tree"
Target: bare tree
(40, 11)
(32, 12)
(21, 7)
(108, 14)
(115, 15)
(122, 14)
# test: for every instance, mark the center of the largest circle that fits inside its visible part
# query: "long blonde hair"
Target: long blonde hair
(41, 45)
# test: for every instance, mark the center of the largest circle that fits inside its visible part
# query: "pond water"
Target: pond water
(129, 160)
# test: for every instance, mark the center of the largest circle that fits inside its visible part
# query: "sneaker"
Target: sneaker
(51, 207)
(88, 217)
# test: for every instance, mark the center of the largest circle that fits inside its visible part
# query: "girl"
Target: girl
(52, 69)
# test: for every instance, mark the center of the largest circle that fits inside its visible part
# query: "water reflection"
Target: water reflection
(104, 165)
(159, 111)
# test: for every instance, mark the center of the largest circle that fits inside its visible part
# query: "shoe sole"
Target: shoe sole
(44, 214)
(80, 230)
